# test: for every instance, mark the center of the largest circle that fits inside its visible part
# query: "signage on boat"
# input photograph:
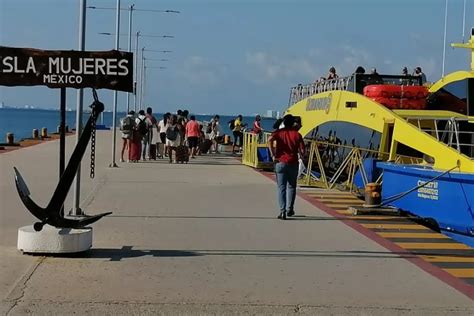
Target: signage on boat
(74, 69)
(428, 191)
(320, 104)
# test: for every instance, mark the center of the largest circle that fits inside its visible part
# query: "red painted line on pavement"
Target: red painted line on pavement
(439, 273)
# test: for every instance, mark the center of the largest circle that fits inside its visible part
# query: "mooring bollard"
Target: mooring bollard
(372, 194)
(10, 138)
(44, 132)
(35, 134)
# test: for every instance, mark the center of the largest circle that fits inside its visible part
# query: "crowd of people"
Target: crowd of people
(177, 135)
(417, 72)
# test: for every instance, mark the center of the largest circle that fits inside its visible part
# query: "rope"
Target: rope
(400, 195)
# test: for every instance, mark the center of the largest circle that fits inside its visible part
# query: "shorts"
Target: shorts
(193, 142)
(163, 138)
(238, 138)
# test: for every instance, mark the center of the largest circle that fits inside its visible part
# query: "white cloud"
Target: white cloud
(201, 72)
(267, 68)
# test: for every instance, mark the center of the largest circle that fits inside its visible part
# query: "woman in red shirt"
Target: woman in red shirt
(257, 128)
(193, 132)
(289, 143)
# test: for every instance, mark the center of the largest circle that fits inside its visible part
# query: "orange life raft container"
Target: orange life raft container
(398, 96)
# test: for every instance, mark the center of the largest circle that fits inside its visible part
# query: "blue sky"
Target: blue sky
(233, 56)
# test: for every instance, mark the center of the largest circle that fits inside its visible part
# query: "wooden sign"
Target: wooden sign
(74, 69)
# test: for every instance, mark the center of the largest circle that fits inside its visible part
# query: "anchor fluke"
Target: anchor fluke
(51, 214)
(20, 183)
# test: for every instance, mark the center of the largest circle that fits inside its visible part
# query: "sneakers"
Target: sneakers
(290, 213)
(282, 216)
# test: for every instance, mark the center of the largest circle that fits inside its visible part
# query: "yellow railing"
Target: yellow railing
(321, 158)
(252, 146)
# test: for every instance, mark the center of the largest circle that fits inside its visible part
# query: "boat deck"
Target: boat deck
(203, 238)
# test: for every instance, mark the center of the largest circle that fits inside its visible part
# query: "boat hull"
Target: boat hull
(448, 200)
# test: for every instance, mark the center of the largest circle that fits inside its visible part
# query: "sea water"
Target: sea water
(21, 122)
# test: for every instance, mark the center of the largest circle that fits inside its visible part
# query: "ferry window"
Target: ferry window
(452, 97)
(457, 88)
(408, 151)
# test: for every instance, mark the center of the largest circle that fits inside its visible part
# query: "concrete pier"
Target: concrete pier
(201, 238)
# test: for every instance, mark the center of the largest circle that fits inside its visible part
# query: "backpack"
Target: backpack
(172, 133)
(232, 124)
(142, 127)
(126, 124)
(209, 128)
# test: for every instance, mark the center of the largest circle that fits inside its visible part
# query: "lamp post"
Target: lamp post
(129, 45)
(158, 51)
(137, 82)
(145, 75)
(113, 164)
(76, 210)
(132, 8)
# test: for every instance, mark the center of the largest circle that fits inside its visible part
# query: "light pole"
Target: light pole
(158, 51)
(137, 82)
(142, 73)
(114, 114)
(131, 9)
(145, 75)
(129, 45)
(76, 210)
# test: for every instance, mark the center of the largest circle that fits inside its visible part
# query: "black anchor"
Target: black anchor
(52, 213)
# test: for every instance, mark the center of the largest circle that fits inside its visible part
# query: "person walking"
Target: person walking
(216, 133)
(173, 137)
(148, 139)
(289, 143)
(162, 130)
(127, 124)
(237, 129)
(257, 128)
(193, 132)
(142, 128)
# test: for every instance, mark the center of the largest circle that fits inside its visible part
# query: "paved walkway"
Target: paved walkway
(201, 238)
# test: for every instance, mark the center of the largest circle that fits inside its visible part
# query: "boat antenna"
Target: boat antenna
(444, 42)
(464, 21)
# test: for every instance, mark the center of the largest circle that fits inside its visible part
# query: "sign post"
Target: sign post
(62, 69)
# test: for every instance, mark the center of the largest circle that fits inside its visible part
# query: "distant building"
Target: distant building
(271, 114)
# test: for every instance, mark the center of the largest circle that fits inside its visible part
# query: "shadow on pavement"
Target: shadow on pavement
(128, 252)
(301, 217)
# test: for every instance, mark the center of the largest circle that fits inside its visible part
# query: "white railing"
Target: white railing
(301, 92)
(451, 135)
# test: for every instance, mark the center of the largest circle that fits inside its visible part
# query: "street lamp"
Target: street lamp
(156, 59)
(128, 9)
(143, 76)
(142, 98)
(132, 8)
(158, 51)
(137, 82)
(137, 34)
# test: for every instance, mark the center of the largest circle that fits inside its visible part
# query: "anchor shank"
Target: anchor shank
(67, 177)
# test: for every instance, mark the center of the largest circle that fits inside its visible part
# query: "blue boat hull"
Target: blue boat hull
(448, 200)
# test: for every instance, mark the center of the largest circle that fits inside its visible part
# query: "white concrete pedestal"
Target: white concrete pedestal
(54, 240)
